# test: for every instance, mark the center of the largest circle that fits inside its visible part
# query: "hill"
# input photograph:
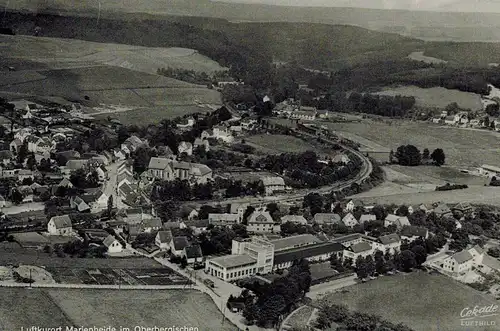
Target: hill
(456, 26)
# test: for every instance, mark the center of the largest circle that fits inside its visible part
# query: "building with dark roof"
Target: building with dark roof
(412, 233)
(313, 253)
(192, 253)
(177, 245)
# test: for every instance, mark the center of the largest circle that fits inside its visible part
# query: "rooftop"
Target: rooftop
(389, 239)
(307, 251)
(361, 247)
(294, 241)
(462, 257)
(231, 261)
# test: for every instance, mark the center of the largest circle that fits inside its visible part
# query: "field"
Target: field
(436, 176)
(279, 144)
(117, 276)
(102, 308)
(423, 302)
(437, 96)
(463, 147)
(59, 53)
(419, 56)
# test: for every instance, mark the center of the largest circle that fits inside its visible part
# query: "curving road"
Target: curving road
(364, 173)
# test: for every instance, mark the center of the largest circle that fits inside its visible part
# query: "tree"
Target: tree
(438, 156)
(425, 154)
(110, 205)
(31, 162)
(407, 260)
(23, 152)
(184, 262)
(495, 252)
(370, 265)
(17, 197)
(402, 211)
(379, 212)
(420, 254)
(408, 155)
(249, 211)
(361, 268)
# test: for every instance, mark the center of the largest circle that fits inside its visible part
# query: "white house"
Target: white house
(225, 219)
(260, 221)
(60, 226)
(192, 254)
(185, 147)
(223, 133)
(177, 245)
(361, 249)
(163, 239)
(398, 221)
(390, 242)
(112, 244)
(459, 263)
(349, 220)
(349, 207)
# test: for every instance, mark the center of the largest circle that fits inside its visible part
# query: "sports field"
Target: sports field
(422, 301)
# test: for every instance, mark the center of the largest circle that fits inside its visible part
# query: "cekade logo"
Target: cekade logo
(478, 315)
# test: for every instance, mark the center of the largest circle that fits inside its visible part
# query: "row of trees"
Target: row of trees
(191, 76)
(409, 155)
(353, 321)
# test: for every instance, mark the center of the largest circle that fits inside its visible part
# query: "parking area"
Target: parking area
(118, 276)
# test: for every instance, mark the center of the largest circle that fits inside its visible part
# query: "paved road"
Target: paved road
(316, 291)
(111, 185)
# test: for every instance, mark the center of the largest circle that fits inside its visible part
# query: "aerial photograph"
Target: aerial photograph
(249, 165)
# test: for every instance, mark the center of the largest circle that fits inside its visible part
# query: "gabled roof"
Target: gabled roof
(152, 223)
(65, 183)
(134, 141)
(273, 181)
(236, 206)
(159, 163)
(193, 251)
(361, 247)
(462, 206)
(109, 240)
(262, 217)
(389, 239)
(411, 231)
(197, 223)
(306, 252)
(294, 219)
(165, 236)
(491, 262)
(367, 218)
(61, 221)
(180, 243)
(349, 217)
(200, 169)
(462, 257)
(294, 242)
(476, 248)
(327, 218)
(442, 209)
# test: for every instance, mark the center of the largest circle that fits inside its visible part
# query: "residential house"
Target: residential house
(398, 221)
(260, 221)
(390, 242)
(95, 197)
(119, 154)
(15, 145)
(102, 173)
(198, 142)
(223, 133)
(297, 219)
(112, 244)
(132, 144)
(354, 251)
(5, 157)
(327, 218)
(442, 210)
(185, 147)
(60, 226)
(303, 115)
(177, 245)
(151, 224)
(273, 184)
(198, 226)
(192, 254)
(224, 219)
(349, 220)
(463, 208)
(450, 120)
(79, 204)
(459, 263)
(412, 233)
(163, 239)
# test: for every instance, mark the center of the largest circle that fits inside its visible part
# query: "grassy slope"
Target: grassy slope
(423, 302)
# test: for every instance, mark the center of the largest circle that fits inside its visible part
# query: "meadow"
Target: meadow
(462, 147)
(145, 308)
(422, 301)
(438, 97)
(279, 144)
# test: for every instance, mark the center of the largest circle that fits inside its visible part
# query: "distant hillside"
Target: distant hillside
(429, 25)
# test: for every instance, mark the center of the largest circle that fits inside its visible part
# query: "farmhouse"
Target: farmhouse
(112, 244)
(177, 245)
(60, 226)
(349, 220)
(273, 184)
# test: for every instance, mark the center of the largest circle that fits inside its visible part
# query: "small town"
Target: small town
(227, 165)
